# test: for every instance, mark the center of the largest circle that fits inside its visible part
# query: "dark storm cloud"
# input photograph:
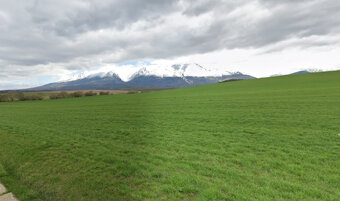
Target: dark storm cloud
(85, 16)
(79, 34)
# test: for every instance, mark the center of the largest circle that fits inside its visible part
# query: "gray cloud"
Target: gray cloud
(82, 16)
(58, 35)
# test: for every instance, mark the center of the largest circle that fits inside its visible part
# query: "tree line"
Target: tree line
(20, 96)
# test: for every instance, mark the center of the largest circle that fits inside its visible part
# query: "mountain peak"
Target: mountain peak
(179, 70)
(191, 69)
(174, 70)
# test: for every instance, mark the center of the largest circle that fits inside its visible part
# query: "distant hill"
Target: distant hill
(175, 76)
(299, 72)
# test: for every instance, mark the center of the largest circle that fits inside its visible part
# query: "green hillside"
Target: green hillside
(266, 139)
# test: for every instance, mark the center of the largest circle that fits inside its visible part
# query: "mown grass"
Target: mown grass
(265, 139)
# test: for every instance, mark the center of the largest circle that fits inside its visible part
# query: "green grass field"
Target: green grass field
(267, 139)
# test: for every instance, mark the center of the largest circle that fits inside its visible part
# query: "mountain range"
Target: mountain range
(147, 77)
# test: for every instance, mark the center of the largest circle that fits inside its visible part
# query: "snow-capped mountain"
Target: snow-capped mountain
(179, 70)
(151, 76)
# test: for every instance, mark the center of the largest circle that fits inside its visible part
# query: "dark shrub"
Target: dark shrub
(4, 98)
(18, 96)
(14, 96)
(11, 96)
(63, 94)
(26, 98)
(54, 96)
(32, 97)
(77, 94)
(59, 95)
(37, 97)
(102, 93)
(90, 93)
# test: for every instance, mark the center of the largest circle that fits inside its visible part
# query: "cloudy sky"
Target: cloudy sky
(43, 41)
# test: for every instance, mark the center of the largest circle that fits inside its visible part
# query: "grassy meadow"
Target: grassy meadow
(267, 139)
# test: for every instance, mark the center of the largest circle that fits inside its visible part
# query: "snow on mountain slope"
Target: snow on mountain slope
(178, 70)
(87, 74)
(144, 77)
(75, 77)
(104, 74)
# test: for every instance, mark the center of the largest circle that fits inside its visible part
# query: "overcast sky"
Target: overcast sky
(43, 41)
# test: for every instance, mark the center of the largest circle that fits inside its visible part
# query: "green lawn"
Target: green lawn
(266, 139)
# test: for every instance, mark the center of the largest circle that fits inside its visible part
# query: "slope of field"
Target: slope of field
(266, 139)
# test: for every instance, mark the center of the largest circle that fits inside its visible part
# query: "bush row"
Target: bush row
(19, 96)
(76, 94)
